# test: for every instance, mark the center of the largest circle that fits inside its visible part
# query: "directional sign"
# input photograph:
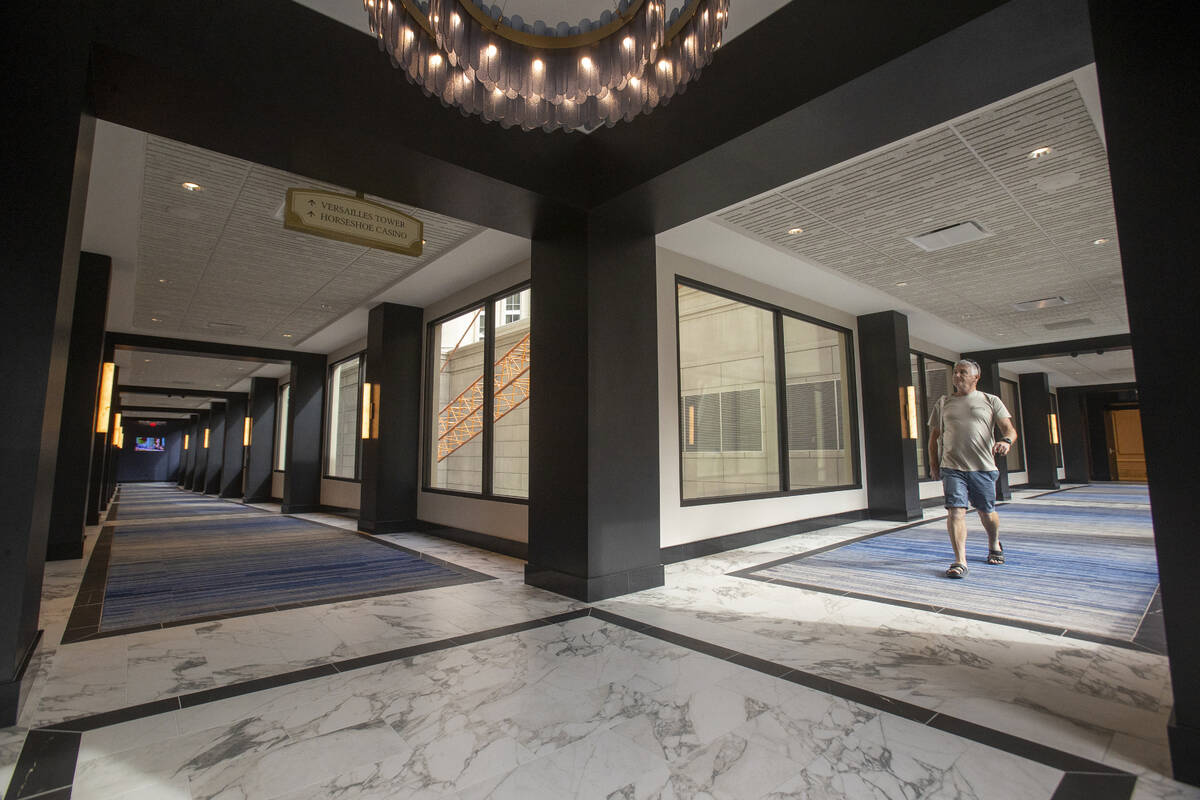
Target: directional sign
(351, 219)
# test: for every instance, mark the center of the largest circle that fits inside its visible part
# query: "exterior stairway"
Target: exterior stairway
(462, 418)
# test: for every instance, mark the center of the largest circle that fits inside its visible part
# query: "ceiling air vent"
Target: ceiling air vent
(227, 327)
(950, 236)
(1068, 323)
(1045, 302)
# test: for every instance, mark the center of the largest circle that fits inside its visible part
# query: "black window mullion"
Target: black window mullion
(785, 480)
(489, 392)
(362, 383)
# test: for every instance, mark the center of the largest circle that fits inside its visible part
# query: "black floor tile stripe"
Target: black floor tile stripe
(47, 761)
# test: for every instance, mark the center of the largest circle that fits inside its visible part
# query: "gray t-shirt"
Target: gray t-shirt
(967, 423)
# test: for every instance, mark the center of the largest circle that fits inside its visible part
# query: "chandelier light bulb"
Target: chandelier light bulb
(560, 75)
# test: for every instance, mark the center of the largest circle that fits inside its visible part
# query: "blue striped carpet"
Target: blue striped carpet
(1105, 493)
(160, 509)
(1088, 570)
(160, 574)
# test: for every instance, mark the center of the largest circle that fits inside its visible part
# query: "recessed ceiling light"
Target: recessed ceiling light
(155, 319)
(146, 360)
(1039, 152)
(422, 241)
(902, 283)
(287, 336)
(326, 307)
(163, 281)
(1099, 242)
(795, 231)
(192, 187)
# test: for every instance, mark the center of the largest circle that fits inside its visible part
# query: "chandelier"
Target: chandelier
(630, 61)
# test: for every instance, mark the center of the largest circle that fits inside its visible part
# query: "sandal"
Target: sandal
(957, 570)
(996, 557)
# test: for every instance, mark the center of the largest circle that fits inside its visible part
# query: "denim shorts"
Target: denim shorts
(978, 487)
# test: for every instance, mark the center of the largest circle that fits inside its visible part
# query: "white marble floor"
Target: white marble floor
(588, 708)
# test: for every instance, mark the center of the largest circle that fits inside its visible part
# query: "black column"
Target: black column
(1073, 434)
(389, 457)
(989, 381)
(47, 152)
(306, 410)
(200, 474)
(235, 452)
(1040, 462)
(1145, 58)
(593, 442)
(68, 514)
(891, 458)
(216, 448)
(264, 394)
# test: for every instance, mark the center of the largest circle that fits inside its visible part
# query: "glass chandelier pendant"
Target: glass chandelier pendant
(627, 63)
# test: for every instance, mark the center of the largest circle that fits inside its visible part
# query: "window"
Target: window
(1011, 397)
(728, 422)
(281, 424)
(342, 431)
(510, 414)
(816, 362)
(478, 441)
(933, 378)
(727, 370)
(735, 420)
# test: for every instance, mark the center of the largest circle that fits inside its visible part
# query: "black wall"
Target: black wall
(135, 466)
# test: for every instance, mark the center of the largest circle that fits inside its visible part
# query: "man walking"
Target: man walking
(962, 451)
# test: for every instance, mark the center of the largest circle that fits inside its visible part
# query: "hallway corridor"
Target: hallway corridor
(714, 685)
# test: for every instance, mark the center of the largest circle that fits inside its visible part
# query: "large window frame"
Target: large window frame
(781, 408)
(330, 371)
(283, 396)
(923, 410)
(487, 432)
(1018, 446)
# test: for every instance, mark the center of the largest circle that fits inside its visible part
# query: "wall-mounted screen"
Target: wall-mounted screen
(149, 444)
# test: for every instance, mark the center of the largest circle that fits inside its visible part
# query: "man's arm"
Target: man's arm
(1010, 431)
(935, 434)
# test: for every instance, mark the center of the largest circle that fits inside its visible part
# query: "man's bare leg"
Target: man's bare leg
(956, 524)
(991, 524)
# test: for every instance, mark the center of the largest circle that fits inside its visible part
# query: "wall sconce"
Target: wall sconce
(908, 413)
(206, 438)
(106, 389)
(246, 432)
(186, 438)
(370, 411)
(366, 410)
(119, 433)
(1054, 429)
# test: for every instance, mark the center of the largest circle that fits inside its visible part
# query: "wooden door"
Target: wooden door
(1128, 452)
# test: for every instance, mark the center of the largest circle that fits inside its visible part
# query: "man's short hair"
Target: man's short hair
(972, 364)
